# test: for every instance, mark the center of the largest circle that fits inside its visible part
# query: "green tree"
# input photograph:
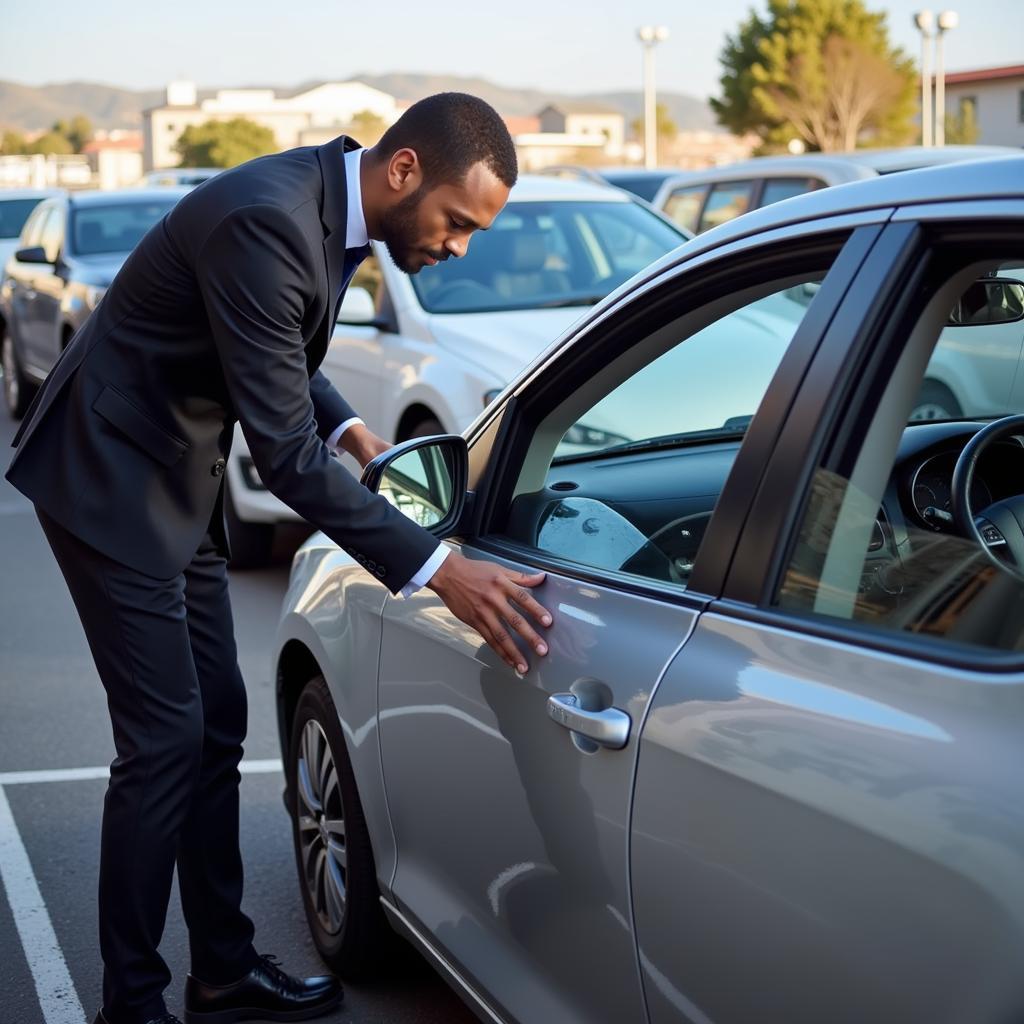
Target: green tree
(962, 127)
(368, 126)
(51, 143)
(78, 131)
(224, 143)
(822, 71)
(667, 128)
(12, 143)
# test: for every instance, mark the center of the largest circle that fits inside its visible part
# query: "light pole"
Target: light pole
(650, 36)
(925, 20)
(947, 20)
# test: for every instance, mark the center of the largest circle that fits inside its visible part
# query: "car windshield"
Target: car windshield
(547, 254)
(116, 227)
(14, 213)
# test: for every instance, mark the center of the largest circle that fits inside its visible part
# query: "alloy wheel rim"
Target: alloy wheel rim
(930, 411)
(10, 377)
(321, 823)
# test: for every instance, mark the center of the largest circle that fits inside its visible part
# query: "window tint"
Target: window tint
(623, 474)
(52, 237)
(776, 189)
(884, 541)
(727, 200)
(684, 204)
(13, 215)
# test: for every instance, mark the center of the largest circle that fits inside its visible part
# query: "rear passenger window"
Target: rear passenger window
(727, 200)
(776, 189)
(684, 204)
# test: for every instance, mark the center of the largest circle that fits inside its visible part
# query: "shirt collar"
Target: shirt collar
(355, 228)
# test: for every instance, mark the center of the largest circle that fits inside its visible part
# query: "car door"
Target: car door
(827, 822)
(23, 280)
(511, 822)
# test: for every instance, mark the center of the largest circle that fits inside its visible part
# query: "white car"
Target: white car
(425, 354)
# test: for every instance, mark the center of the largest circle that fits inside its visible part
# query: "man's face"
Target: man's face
(432, 224)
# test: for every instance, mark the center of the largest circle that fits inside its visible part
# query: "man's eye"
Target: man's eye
(455, 224)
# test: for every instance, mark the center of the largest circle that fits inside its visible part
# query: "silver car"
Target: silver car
(771, 768)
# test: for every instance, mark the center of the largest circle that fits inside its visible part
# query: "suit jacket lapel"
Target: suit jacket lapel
(334, 217)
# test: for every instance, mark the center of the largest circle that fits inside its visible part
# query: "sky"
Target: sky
(570, 46)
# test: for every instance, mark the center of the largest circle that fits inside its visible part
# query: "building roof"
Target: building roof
(579, 107)
(522, 125)
(985, 74)
(131, 145)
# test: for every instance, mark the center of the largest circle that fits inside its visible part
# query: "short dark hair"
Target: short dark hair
(450, 132)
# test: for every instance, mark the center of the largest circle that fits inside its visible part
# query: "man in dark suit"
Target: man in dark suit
(222, 313)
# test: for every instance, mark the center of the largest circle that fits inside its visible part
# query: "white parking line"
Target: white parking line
(57, 997)
(54, 988)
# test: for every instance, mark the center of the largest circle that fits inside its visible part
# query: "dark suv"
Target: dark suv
(68, 253)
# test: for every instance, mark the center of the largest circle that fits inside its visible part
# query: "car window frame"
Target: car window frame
(58, 214)
(514, 420)
(824, 421)
(31, 229)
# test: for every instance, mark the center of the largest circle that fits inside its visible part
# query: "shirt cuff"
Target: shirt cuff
(424, 576)
(332, 441)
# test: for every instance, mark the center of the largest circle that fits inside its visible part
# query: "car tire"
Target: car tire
(18, 389)
(935, 402)
(424, 428)
(333, 855)
(251, 543)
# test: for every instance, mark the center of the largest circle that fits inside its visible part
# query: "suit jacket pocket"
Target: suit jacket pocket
(138, 427)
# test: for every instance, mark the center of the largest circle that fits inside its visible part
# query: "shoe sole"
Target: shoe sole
(252, 1014)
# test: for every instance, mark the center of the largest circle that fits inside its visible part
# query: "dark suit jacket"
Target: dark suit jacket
(223, 312)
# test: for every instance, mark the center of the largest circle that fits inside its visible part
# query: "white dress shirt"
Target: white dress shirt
(356, 235)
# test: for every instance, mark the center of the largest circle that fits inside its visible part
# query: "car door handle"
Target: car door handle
(608, 728)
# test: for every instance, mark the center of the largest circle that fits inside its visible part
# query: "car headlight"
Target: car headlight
(490, 396)
(93, 294)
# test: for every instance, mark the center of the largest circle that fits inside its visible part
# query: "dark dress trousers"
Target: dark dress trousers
(223, 312)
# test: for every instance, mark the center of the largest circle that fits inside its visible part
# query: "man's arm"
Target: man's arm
(254, 272)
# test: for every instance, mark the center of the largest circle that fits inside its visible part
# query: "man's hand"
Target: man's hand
(363, 444)
(495, 602)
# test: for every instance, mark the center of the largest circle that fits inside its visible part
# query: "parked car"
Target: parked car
(175, 177)
(770, 768)
(424, 354)
(699, 200)
(15, 206)
(69, 250)
(641, 181)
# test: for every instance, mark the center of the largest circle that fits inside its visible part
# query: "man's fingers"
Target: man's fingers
(522, 597)
(503, 644)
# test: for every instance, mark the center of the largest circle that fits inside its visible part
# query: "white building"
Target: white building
(997, 95)
(302, 119)
(584, 119)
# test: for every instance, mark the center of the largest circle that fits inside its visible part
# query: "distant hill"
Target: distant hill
(35, 108)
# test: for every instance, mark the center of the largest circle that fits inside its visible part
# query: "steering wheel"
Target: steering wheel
(1000, 527)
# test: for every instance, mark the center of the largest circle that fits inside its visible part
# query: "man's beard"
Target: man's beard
(399, 230)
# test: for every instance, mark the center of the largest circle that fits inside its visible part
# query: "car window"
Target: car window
(884, 541)
(776, 189)
(727, 200)
(623, 473)
(115, 227)
(368, 276)
(33, 228)
(13, 215)
(684, 204)
(52, 235)
(547, 254)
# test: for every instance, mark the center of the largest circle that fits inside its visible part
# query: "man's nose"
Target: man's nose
(457, 246)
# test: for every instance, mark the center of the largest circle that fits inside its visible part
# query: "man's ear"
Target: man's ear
(404, 172)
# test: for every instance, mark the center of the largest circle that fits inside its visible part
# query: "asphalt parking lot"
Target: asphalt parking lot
(53, 721)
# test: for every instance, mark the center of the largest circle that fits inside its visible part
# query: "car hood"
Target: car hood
(99, 270)
(502, 343)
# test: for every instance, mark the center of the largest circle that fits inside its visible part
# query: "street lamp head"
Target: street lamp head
(652, 34)
(948, 20)
(661, 32)
(924, 20)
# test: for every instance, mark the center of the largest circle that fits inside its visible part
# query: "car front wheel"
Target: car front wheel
(935, 402)
(332, 844)
(18, 389)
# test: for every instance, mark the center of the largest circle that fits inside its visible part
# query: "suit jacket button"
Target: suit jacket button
(217, 469)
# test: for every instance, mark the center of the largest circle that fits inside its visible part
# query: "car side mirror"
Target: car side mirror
(357, 308)
(31, 254)
(425, 479)
(988, 301)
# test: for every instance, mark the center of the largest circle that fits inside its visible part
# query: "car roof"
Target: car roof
(538, 187)
(101, 197)
(29, 193)
(886, 161)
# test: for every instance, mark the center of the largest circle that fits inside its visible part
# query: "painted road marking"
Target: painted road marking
(255, 767)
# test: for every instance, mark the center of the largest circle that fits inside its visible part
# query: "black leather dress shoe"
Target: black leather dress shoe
(167, 1018)
(265, 993)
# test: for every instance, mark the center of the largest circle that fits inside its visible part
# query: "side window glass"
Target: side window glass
(684, 204)
(727, 200)
(897, 534)
(776, 189)
(623, 475)
(53, 234)
(33, 228)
